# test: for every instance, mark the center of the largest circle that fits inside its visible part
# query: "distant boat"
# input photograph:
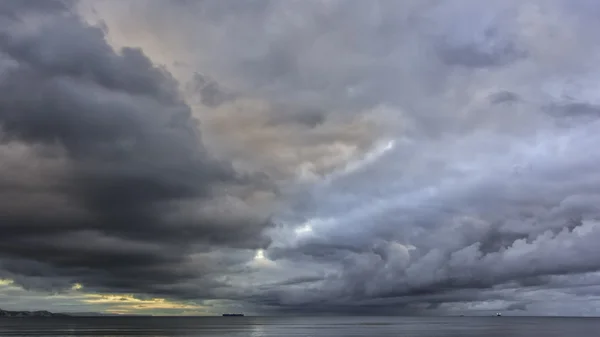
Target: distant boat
(498, 314)
(229, 315)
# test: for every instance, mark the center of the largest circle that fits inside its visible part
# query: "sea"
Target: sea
(303, 326)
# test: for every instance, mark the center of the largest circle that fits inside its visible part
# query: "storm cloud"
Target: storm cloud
(105, 180)
(414, 157)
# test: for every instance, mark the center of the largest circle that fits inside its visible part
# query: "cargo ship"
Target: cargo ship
(229, 315)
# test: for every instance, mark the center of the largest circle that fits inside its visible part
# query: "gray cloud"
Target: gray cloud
(207, 91)
(14, 9)
(388, 157)
(107, 181)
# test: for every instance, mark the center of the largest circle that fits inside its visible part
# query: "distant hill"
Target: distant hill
(40, 313)
(88, 314)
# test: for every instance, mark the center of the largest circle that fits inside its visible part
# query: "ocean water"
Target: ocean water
(302, 326)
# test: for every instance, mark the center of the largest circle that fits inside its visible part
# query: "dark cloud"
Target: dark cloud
(122, 197)
(512, 230)
(477, 57)
(14, 9)
(469, 193)
(309, 117)
(480, 37)
(208, 91)
(418, 157)
(504, 97)
(575, 110)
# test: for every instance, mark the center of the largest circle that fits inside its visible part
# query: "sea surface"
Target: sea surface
(303, 326)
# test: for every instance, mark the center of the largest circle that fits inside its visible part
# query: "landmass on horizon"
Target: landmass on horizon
(39, 313)
(45, 313)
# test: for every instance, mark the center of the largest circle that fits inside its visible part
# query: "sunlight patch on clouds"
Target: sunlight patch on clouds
(338, 153)
(353, 165)
(130, 303)
(76, 300)
(306, 228)
(6, 282)
(261, 261)
(370, 157)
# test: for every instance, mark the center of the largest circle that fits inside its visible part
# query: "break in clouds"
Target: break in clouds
(304, 156)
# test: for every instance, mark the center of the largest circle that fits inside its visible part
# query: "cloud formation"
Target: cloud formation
(301, 156)
(105, 178)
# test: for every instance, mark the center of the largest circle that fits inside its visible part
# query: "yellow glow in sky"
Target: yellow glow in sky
(130, 303)
(6, 282)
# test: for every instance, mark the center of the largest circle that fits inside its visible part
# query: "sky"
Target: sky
(417, 157)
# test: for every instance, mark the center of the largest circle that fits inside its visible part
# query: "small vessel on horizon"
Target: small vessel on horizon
(236, 315)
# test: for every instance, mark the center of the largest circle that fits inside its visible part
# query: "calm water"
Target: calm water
(303, 326)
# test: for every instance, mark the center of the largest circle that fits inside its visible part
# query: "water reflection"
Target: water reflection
(302, 326)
